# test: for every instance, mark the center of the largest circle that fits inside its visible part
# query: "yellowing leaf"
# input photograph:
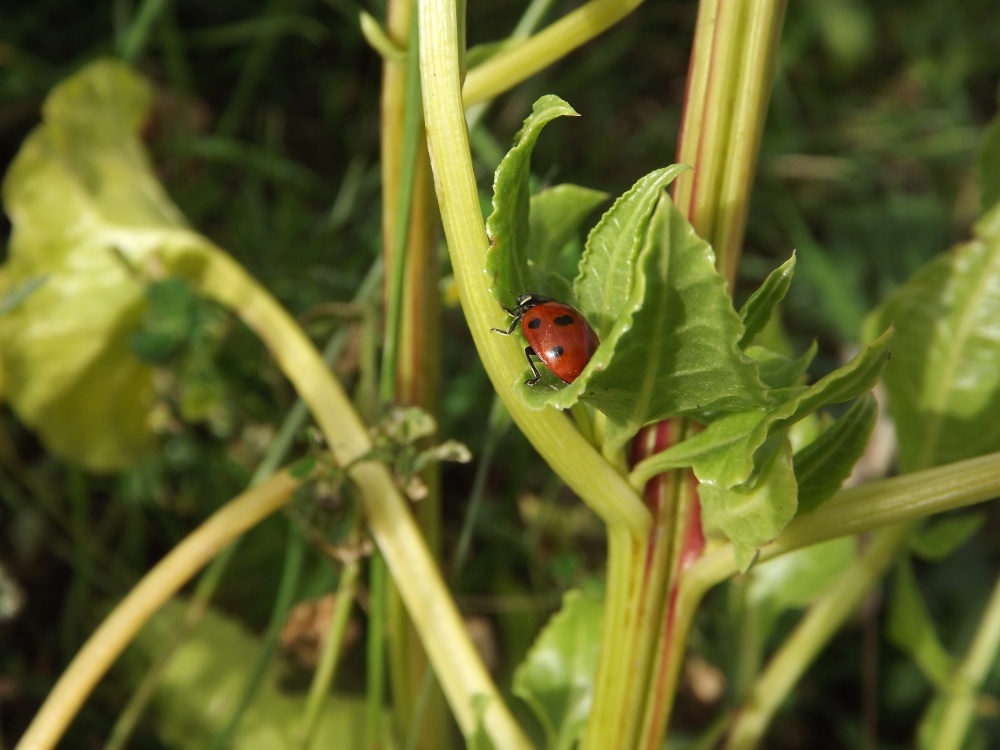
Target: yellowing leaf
(89, 218)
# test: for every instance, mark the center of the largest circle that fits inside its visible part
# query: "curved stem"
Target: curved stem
(960, 703)
(456, 661)
(824, 618)
(565, 450)
(506, 69)
(870, 507)
(432, 610)
(151, 593)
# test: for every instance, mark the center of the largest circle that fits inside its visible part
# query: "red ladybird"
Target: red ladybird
(557, 334)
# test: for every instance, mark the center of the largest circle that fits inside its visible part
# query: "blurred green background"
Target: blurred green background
(265, 133)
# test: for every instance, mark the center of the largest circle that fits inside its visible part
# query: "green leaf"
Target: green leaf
(852, 380)
(911, 630)
(302, 468)
(753, 514)
(779, 371)
(723, 453)
(672, 349)
(823, 465)
(989, 166)
(557, 678)
(556, 216)
(942, 536)
(480, 739)
(944, 382)
(508, 225)
(758, 309)
(201, 683)
(603, 287)
(89, 215)
(168, 321)
(793, 581)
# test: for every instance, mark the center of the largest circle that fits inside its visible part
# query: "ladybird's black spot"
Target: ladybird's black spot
(556, 351)
(534, 323)
(564, 320)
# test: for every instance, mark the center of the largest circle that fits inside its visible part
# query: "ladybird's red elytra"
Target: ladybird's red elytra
(556, 333)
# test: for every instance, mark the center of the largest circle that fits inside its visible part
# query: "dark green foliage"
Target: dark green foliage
(265, 132)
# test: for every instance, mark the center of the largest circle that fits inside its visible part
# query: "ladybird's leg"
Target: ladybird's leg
(509, 331)
(528, 351)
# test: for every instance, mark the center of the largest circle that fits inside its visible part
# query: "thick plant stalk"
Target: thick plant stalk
(630, 704)
(728, 88)
(729, 85)
(416, 346)
(565, 450)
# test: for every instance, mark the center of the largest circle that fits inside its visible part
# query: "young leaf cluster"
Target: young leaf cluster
(672, 345)
(398, 440)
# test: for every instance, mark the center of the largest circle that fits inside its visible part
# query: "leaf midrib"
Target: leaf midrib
(936, 406)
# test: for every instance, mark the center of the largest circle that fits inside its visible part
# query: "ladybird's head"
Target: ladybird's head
(527, 301)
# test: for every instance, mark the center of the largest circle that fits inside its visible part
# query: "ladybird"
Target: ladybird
(556, 333)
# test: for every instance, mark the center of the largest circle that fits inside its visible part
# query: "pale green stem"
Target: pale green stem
(729, 85)
(739, 170)
(517, 63)
(152, 592)
(319, 690)
(624, 554)
(404, 200)
(435, 616)
(553, 436)
(960, 703)
(824, 618)
(860, 509)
